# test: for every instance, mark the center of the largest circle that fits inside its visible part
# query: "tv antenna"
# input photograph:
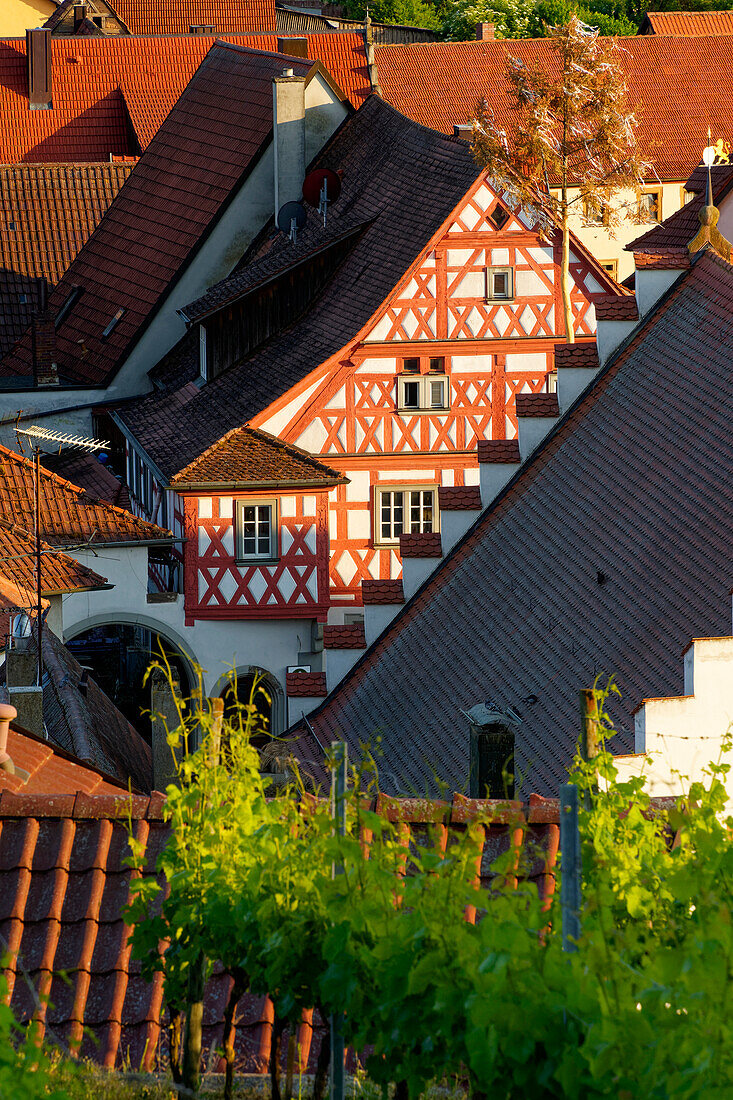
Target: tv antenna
(35, 437)
(292, 217)
(321, 187)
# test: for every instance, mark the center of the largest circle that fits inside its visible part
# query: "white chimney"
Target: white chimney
(288, 116)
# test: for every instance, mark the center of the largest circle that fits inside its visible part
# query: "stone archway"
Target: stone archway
(236, 688)
(119, 653)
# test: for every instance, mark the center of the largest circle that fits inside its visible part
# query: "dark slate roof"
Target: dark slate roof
(175, 194)
(604, 555)
(387, 161)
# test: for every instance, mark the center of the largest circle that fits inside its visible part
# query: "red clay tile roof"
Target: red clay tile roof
(101, 90)
(458, 498)
(305, 685)
(68, 514)
(420, 544)
(498, 450)
(688, 22)
(59, 572)
(613, 308)
(91, 475)
(440, 84)
(226, 16)
(667, 260)
(176, 193)
(51, 770)
(537, 404)
(63, 886)
(382, 592)
(344, 637)
(628, 505)
(579, 355)
(248, 457)
(47, 212)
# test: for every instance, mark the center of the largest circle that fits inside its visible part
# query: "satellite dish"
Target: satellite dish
(314, 184)
(289, 213)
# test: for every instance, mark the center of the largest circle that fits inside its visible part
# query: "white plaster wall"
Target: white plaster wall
(677, 738)
(454, 524)
(651, 285)
(604, 247)
(377, 618)
(609, 334)
(338, 662)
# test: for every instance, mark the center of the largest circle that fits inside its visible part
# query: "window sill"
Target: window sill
(423, 412)
(256, 561)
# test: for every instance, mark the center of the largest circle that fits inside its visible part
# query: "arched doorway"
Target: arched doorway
(118, 656)
(259, 688)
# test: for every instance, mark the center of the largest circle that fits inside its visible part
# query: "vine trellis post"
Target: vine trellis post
(338, 812)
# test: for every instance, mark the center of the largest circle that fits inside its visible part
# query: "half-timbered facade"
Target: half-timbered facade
(383, 344)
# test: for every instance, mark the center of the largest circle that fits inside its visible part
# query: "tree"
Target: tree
(510, 18)
(571, 129)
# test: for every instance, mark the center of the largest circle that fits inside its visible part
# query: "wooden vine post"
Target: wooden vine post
(571, 881)
(338, 812)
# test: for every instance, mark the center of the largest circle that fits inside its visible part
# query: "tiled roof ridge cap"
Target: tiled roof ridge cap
(80, 492)
(436, 575)
(266, 437)
(81, 806)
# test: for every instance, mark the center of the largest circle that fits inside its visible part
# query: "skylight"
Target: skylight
(73, 297)
(113, 323)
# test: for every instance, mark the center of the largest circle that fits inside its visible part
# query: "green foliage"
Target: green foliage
(406, 13)
(639, 1010)
(27, 1072)
(511, 18)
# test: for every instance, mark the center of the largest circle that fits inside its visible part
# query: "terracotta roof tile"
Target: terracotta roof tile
(305, 685)
(64, 883)
(59, 572)
(420, 545)
(178, 188)
(86, 471)
(48, 212)
(578, 355)
(439, 84)
(458, 498)
(385, 159)
(537, 404)
(613, 308)
(664, 260)
(102, 85)
(344, 637)
(249, 457)
(499, 450)
(382, 592)
(689, 22)
(226, 16)
(68, 514)
(630, 502)
(53, 771)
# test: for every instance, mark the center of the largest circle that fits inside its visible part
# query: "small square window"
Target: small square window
(551, 381)
(499, 283)
(437, 364)
(404, 511)
(650, 205)
(256, 530)
(499, 216)
(611, 266)
(594, 213)
(411, 366)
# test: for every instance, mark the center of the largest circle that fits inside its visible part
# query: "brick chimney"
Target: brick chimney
(38, 53)
(43, 333)
(485, 32)
(288, 116)
(293, 47)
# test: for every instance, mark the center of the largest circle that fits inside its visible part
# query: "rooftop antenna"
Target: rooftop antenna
(35, 437)
(708, 159)
(320, 187)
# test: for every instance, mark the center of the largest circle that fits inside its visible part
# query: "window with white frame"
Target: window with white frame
(499, 283)
(256, 530)
(422, 392)
(403, 511)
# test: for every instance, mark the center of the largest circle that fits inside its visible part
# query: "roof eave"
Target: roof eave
(256, 486)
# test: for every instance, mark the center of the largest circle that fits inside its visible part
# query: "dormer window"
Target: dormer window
(112, 324)
(499, 284)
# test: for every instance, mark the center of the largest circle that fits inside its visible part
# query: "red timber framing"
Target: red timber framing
(481, 309)
(291, 584)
